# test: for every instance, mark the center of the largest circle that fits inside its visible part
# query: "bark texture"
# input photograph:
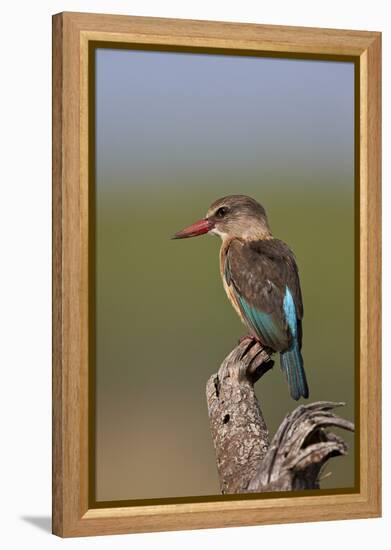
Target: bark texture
(246, 460)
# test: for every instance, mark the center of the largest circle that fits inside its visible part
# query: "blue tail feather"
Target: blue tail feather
(292, 365)
(291, 360)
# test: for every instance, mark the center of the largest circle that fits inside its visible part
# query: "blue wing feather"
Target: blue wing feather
(263, 324)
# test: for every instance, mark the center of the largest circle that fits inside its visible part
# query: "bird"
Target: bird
(261, 279)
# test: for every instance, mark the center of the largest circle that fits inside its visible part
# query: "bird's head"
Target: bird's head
(234, 216)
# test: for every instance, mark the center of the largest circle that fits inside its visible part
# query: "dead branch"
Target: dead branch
(246, 461)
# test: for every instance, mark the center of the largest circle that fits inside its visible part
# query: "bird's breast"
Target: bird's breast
(228, 287)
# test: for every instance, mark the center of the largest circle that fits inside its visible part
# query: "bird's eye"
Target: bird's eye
(222, 211)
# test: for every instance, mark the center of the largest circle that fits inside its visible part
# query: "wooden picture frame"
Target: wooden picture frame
(72, 35)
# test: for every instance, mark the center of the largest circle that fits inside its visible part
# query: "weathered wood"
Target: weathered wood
(246, 462)
(238, 429)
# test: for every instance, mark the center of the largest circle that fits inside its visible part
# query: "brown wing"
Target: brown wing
(260, 273)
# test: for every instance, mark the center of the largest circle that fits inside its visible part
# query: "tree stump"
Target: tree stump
(246, 460)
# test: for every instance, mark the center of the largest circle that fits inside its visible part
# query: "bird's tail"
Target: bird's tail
(293, 367)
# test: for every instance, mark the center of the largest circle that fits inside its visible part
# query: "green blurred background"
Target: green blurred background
(175, 132)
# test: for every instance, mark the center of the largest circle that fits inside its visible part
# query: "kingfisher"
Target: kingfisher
(261, 279)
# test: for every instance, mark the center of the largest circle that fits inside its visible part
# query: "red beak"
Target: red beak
(198, 228)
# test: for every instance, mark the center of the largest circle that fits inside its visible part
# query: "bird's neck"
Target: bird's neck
(256, 233)
(246, 233)
(251, 234)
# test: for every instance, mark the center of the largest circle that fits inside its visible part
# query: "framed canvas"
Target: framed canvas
(167, 410)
